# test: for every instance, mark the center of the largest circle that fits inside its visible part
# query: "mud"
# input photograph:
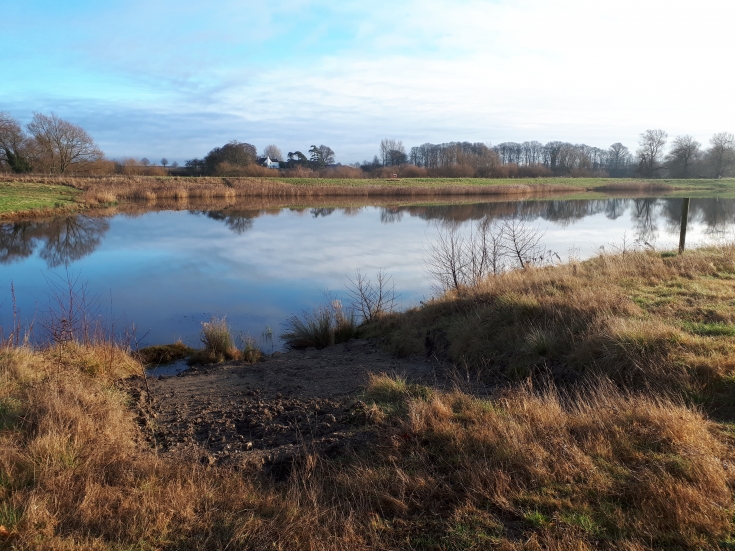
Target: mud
(268, 414)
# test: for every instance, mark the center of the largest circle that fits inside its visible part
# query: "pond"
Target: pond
(166, 271)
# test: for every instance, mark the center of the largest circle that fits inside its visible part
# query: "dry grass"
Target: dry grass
(524, 470)
(620, 460)
(162, 354)
(218, 343)
(326, 325)
(108, 189)
(643, 319)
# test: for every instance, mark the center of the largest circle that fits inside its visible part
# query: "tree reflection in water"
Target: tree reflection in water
(62, 240)
(66, 239)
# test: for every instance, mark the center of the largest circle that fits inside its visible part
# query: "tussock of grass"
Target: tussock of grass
(218, 343)
(251, 353)
(162, 354)
(323, 327)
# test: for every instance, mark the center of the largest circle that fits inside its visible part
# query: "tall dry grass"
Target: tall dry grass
(527, 469)
(106, 189)
(641, 318)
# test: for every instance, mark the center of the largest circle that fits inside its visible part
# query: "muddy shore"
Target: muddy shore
(262, 416)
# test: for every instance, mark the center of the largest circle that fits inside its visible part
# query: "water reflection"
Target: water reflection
(60, 241)
(167, 271)
(64, 240)
(646, 214)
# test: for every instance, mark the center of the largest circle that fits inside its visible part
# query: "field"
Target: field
(609, 426)
(21, 194)
(17, 197)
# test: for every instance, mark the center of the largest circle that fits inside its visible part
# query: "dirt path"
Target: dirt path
(264, 415)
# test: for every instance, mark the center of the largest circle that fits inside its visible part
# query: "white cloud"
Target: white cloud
(298, 72)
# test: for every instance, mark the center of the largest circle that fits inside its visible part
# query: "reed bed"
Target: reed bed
(103, 189)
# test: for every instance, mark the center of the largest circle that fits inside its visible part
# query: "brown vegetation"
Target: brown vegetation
(527, 469)
(644, 319)
(609, 456)
(114, 188)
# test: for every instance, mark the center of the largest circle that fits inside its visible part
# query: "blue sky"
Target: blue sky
(176, 78)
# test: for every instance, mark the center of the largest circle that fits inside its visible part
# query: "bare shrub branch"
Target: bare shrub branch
(372, 300)
(522, 242)
(455, 260)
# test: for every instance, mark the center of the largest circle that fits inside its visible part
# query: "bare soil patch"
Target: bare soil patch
(266, 414)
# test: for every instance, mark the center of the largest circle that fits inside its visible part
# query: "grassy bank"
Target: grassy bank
(647, 320)
(23, 194)
(528, 469)
(32, 197)
(611, 429)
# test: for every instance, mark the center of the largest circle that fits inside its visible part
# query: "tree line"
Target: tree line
(240, 158)
(686, 158)
(51, 145)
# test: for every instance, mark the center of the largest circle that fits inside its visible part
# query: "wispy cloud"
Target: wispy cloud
(177, 78)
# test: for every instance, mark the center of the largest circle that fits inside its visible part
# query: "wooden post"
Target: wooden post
(684, 219)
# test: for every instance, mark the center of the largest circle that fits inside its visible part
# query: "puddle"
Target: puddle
(168, 370)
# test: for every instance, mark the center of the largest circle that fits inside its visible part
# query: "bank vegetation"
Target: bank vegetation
(609, 428)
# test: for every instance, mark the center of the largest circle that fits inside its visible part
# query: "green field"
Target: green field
(719, 185)
(25, 196)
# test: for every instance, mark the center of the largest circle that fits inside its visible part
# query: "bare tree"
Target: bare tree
(164, 162)
(392, 152)
(455, 260)
(273, 152)
(446, 260)
(62, 145)
(372, 300)
(13, 145)
(685, 152)
(145, 162)
(721, 154)
(651, 144)
(522, 242)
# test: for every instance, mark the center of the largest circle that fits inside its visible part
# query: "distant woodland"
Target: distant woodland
(51, 145)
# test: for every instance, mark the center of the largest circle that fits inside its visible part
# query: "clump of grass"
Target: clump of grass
(323, 327)
(218, 343)
(251, 353)
(162, 354)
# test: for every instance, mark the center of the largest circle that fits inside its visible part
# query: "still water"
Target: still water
(167, 271)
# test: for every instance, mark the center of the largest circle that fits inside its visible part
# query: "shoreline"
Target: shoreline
(558, 405)
(83, 194)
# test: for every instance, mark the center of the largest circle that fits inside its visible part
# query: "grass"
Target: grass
(612, 428)
(598, 468)
(218, 343)
(24, 197)
(325, 326)
(643, 319)
(162, 354)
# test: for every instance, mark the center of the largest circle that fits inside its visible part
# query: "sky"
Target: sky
(169, 78)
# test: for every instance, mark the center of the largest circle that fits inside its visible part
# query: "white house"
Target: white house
(268, 163)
